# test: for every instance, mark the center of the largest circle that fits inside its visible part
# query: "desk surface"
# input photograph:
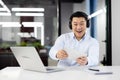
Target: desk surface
(73, 73)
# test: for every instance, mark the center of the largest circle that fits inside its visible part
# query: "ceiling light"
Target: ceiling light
(10, 24)
(5, 14)
(2, 9)
(32, 24)
(4, 6)
(29, 14)
(97, 13)
(28, 9)
(24, 34)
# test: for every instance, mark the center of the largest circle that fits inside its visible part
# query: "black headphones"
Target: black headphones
(79, 14)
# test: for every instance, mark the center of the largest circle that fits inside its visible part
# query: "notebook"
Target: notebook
(96, 71)
(29, 59)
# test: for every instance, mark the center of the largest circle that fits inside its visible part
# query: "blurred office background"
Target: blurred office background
(39, 22)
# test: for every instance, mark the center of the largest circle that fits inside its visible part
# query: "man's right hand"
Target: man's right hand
(61, 54)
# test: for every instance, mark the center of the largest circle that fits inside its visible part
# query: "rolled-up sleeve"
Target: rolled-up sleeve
(93, 57)
(59, 44)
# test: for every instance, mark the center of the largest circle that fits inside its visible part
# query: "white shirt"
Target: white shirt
(87, 44)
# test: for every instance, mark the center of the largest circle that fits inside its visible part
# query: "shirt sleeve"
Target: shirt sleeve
(59, 44)
(93, 56)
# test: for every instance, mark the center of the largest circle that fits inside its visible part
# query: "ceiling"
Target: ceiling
(30, 2)
(36, 2)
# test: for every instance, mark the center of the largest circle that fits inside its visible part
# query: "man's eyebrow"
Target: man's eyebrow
(80, 22)
(83, 21)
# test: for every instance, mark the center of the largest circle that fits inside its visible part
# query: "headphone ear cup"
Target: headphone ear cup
(88, 24)
(70, 25)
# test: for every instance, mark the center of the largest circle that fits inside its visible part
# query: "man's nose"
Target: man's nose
(79, 27)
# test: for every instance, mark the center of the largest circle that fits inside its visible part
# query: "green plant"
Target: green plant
(23, 43)
(5, 45)
(36, 44)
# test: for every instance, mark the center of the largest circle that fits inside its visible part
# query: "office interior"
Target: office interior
(41, 28)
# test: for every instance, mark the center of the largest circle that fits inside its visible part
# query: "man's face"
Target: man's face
(79, 27)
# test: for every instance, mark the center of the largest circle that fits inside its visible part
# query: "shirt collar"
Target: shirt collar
(83, 38)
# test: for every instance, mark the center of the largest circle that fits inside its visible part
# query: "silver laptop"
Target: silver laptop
(29, 59)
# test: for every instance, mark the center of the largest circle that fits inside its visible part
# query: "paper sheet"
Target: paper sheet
(74, 54)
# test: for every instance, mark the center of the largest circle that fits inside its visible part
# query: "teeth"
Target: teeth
(78, 31)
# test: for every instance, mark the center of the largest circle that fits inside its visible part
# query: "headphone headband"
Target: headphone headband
(78, 14)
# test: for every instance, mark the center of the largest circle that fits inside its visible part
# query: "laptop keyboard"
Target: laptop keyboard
(49, 69)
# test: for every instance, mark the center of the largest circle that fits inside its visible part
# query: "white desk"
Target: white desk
(78, 73)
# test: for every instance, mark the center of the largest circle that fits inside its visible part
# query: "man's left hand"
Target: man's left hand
(82, 60)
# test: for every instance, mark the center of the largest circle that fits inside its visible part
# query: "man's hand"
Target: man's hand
(82, 60)
(61, 54)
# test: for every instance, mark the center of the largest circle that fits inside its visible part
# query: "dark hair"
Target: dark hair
(79, 14)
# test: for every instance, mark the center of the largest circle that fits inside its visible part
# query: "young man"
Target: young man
(78, 40)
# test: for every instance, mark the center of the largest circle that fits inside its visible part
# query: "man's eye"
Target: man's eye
(75, 24)
(82, 24)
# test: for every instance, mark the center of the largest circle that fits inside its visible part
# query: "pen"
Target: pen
(94, 69)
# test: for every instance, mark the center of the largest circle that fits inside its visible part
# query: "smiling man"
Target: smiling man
(79, 41)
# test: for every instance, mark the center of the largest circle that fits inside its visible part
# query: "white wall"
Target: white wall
(115, 32)
(101, 28)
